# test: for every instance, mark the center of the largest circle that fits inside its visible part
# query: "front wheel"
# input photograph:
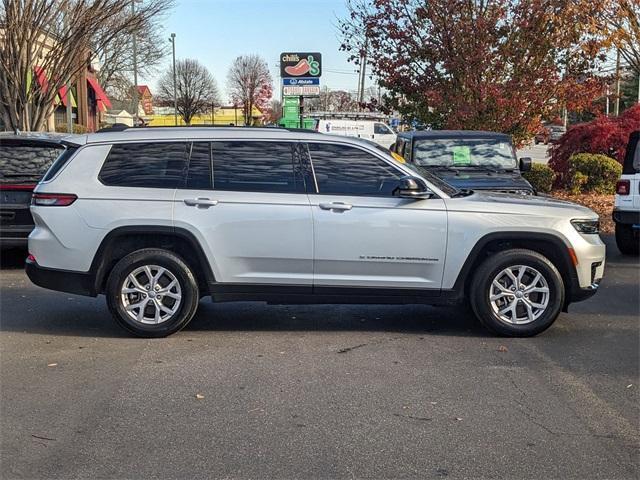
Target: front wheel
(152, 293)
(627, 240)
(517, 293)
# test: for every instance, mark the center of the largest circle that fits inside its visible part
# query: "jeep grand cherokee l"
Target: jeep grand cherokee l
(155, 219)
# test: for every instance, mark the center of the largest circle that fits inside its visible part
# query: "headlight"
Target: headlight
(586, 226)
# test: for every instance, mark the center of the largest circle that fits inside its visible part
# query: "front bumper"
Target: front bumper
(626, 217)
(80, 283)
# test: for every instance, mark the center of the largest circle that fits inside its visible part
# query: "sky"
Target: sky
(215, 32)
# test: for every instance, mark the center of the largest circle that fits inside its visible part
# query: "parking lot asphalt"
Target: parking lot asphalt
(249, 390)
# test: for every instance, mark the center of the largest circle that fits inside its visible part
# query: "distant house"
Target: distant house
(146, 99)
(118, 116)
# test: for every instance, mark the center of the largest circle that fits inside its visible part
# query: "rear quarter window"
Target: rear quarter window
(150, 165)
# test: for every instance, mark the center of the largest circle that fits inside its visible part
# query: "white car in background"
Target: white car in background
(375, 131)
(626, 212)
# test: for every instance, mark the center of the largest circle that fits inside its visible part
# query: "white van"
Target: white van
(377, 132)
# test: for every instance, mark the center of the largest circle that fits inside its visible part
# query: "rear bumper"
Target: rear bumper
(79, 283)
(14, 236)
(627, 217)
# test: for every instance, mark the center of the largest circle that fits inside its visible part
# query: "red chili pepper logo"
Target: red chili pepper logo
(301, 68)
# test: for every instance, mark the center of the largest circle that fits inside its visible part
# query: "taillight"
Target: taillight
(623, 187)
(20, 187)
(53, 199)
(31, 258)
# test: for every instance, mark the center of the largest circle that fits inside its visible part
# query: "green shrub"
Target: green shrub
(577, 183)
(593, 173)
(541, 177)
(62, 128)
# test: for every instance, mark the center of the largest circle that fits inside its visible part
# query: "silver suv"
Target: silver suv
(156, 219)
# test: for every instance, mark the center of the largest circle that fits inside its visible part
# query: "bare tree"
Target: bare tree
(623, 21)
(46, 43)
(196, 89)
(250, 84)
(116, 59)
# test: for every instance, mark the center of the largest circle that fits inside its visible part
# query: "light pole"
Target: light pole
(135, 66)
(172, 39)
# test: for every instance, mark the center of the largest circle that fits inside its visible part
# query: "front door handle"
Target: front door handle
(339, 206)
(200, 202)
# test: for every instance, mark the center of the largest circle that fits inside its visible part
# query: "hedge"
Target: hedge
(540, 177)
(593, 173)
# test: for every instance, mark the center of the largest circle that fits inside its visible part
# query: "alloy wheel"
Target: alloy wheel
(519, 294)
(151, 294)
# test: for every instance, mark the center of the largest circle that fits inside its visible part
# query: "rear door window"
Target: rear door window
(255, 166)
(150, 165)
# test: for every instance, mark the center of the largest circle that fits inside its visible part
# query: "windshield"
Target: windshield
(438, 182)
(464, 153)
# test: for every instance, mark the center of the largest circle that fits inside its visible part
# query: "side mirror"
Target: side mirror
(412, 187)
(525, 164)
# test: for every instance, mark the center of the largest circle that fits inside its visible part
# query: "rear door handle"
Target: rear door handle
(200, 202)
(339, 206)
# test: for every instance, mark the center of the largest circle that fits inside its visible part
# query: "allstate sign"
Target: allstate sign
(301, 81)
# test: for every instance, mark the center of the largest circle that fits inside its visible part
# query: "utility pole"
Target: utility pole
(363, 74)
(175, 94)
(617, 107)
(135, 67)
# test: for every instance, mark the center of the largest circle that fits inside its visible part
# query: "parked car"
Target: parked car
(542, 135)
(467, 159)
(24, 159)
(155, 219)
(626, 212)
(556, 131)
(378, 132)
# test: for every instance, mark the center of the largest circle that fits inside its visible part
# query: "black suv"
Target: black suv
(467, 159)
(24, 159)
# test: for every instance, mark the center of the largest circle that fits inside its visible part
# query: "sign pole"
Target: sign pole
(301, 102)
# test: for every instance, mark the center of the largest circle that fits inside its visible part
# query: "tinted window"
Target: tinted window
(25, 163)
(345, 170)
(153, 165)
(199, 175)
(62, 160)
(257, 167)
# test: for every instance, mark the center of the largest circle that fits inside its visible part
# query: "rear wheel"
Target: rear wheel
(627, 239)
(152, 293)
(517, 293)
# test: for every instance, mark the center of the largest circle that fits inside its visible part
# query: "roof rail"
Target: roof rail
(120, 127)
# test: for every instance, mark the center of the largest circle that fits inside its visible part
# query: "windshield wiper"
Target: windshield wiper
(487, 168)
(443, 167)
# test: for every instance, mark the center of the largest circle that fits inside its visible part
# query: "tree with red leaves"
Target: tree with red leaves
(479, 64)
(604, 135)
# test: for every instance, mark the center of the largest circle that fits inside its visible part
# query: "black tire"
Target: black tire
(627, 239)
(481, 284)
(178, 268)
